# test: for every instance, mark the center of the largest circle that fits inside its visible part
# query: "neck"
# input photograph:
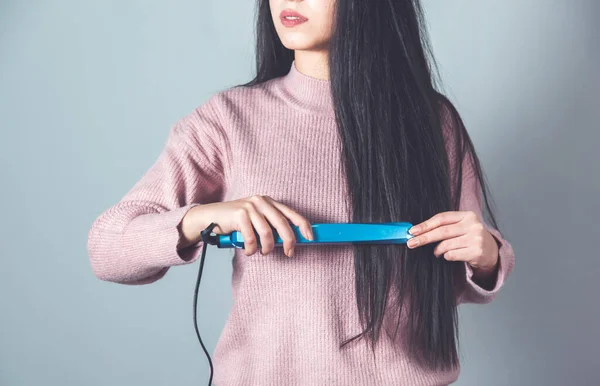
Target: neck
(307, 93)
(313, 63)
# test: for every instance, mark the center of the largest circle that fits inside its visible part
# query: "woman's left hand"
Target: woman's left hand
(462, 237)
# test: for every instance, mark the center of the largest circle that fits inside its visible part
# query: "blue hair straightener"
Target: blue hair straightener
(332, 233)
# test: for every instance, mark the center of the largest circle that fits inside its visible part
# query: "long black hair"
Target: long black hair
(390, 116)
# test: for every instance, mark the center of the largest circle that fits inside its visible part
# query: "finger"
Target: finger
(279, 222)
(262, 227)
(244, 225)
(462, 254)
(295, 217)
(444, 232)
(444, 218)
(450, 244)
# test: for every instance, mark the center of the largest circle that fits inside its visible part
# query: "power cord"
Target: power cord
(207, 239)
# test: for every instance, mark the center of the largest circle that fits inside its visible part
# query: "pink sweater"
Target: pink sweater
(289, 315)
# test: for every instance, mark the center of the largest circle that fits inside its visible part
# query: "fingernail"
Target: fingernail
(311, 237)
(413, 243)
(414, 230)
(291, 252)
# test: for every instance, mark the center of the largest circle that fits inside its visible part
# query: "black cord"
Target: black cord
(207, 239)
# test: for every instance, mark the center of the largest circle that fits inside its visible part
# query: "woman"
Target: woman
(341, 124)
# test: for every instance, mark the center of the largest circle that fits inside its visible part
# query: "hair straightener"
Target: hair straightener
(327, 233)
(333, 233)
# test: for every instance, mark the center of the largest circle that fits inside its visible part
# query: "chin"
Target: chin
(301, 44)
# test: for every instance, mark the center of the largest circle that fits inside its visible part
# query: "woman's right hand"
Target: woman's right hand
(246, 215)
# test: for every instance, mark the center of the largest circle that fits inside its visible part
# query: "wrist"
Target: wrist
(484, 272)
(190, 227)
(489, 267)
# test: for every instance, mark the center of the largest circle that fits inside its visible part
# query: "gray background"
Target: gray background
(88, 92)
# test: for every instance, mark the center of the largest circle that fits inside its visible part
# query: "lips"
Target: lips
(291, 18)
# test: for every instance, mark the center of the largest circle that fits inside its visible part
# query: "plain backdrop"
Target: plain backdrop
(88, 91)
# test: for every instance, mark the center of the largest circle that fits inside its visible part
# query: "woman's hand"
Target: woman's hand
(462, 237)
(246, 215)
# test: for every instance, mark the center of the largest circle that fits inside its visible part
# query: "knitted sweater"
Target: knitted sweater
(289, 315)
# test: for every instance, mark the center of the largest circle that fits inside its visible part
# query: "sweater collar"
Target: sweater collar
(307, 93)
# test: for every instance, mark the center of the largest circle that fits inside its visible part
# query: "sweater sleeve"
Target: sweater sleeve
(135, 241)
(470, 291)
